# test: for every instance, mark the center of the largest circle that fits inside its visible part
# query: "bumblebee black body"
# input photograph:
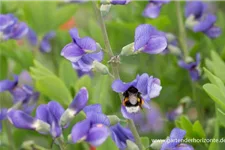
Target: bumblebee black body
(132, 98)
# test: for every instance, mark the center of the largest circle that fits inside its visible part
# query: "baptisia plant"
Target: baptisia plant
(84, 53)
(137, 93)
(24, 97)
(153, 8)
(44, 45)
(50, 118)
(11, 28)
(147, 40)
(200, 20)
(192, 67)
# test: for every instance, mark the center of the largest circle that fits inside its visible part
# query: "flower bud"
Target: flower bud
(113, 119)
(157, 144)
(99, 67)
(105, 9)
(131, 145)
(66, 117)
(128, 50)
(174, 49)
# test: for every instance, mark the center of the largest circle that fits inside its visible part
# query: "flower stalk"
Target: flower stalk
(115, 70)
(182, 32)
(183, 44)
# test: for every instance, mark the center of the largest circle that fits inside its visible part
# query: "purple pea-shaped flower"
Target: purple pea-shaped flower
(200, 20)
(149, 40)
(153, 8)
(192, 67)
(174, 141)
(137, 93)
(82, 52)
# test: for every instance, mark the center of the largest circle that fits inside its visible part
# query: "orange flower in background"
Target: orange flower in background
(68, 25)
(92, 148)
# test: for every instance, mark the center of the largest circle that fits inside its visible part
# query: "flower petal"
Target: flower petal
(119, 86)
(205, 24)
(213, 32)
(195, 8)
(55, 109)
(98, 118)
(152, 10)
(86, 43)
(184, 147)
(142, 83)
(97, 135)
(175, 138)
(3, 113)
(156, 44)
(93, 108)
(79, 101)
(72, 52)
(154, 87)
(195, 75)
(21, 120)
(32, 37)
(42, 113)
(8, 84)
(80, 130)
(142, 35)
(74, 34)
(19, 30)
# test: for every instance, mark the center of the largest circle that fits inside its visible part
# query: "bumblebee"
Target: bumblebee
(132, 100)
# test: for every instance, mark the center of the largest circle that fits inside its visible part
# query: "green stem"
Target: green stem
(61, 143)
(135, 133)
(115, 70)
(9, 135)
(197, 102)
(182, 32)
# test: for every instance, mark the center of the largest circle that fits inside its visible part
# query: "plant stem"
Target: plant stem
(135, 133)
(9, 135)
(197, 102)
(182, 32)
(61, 143)
(115, 71)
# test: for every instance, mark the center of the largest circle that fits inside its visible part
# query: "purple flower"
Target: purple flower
(24, 94)
(200, 20)
(172, 115)
(94, 129)
(150, 121)
(172, 46)
(32, 37)
(6, 85)
(192, 67)
(120, 135)
(146, 86)
(174, 141)
(45, 45)
(149, 40)
(24, 121)
(11, 28)
(153, 8)
(75, 107)
(119, 2)
(48, 116)
(3, 115)
(81, 52)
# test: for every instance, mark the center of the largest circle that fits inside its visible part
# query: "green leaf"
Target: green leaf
(54, 88)
(198, 130)
(84, 81)
(145, 142)
(221, 116)
(215, 93)
(215, 80)
(67, 73)
(186, 124)
(65, 13)
(218, 64)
